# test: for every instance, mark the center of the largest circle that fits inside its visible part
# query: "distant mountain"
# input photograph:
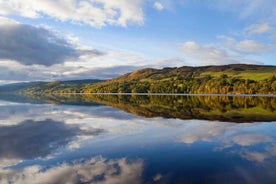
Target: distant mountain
(226, 79)
(47, 87)
(10, 88)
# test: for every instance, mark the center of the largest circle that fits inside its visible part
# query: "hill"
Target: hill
(226, 79)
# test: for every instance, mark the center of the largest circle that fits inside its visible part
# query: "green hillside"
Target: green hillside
(230, 79)
(227, 79)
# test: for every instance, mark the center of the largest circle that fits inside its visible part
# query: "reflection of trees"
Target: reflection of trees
(223, 108)
(96, 170)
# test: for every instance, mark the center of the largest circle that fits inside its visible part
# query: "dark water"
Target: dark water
(138, 139)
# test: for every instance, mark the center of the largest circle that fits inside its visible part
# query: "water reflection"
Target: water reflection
(95, 143)
(223, 108)
(254, 142)
(31, 139)
(95, 170)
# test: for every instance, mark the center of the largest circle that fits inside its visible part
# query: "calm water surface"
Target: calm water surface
(115, 139)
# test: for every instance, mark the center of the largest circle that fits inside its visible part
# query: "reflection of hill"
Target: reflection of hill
(223, 108)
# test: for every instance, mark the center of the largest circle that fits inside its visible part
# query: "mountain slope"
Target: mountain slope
(230, 79)
(226, 79)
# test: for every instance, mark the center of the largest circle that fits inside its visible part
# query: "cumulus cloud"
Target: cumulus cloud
(227, 52)
(247, 46)
(28, 52)
(253, 47)
(31, 45)
(158, 6)
(97, 13)
(207, 54)
(95, 170)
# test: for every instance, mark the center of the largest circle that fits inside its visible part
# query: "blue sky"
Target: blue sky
(77, 39)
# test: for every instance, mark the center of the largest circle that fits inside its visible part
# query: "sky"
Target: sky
(50, 40)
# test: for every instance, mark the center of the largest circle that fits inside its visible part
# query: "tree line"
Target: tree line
(201, 85)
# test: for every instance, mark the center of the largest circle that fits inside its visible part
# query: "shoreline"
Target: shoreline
(164, 94)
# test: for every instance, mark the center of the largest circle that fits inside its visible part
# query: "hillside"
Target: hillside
(227, 79)
(230, 79)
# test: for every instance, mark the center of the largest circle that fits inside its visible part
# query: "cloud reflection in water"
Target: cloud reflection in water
(95, 170)
(30, 137)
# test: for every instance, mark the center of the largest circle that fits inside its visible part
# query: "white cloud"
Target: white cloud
(31, 45)
(97, 13)
(158, 6)
(6, 21)
(243, 46)
(81, 68)
(247, 46)
(253, 47)
(208, 55)
(261, 29)
(256, 29)
(41, 53)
